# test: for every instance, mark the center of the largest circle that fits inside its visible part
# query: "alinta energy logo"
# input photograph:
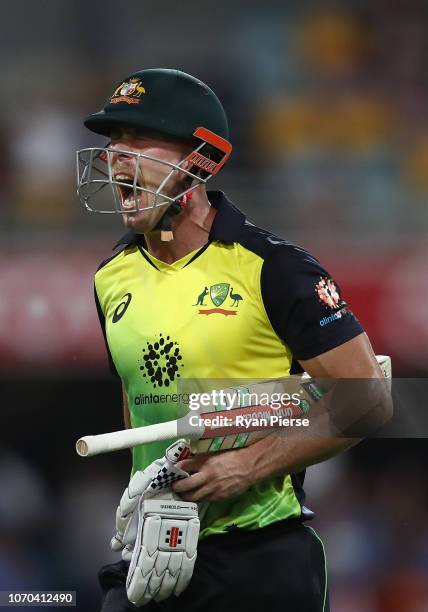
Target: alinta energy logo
(218, 294)
(162, 361)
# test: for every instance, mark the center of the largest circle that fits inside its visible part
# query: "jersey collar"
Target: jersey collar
(226, 227)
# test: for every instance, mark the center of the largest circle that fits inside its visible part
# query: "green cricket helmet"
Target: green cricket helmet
(167, 101)
(159, 101)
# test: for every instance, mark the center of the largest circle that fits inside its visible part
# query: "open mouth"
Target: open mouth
(129, 200)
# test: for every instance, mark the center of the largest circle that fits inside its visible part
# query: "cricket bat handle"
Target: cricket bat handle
(117, 440)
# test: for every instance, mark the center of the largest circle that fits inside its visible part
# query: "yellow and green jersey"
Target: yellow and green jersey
(247, 305)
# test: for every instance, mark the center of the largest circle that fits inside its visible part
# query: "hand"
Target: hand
(165, 550)
(154, 480)
(125, 525)
(214, 476)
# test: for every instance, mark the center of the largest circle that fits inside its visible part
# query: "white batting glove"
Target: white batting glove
(165, 549)
(157, 477)
(129, 501)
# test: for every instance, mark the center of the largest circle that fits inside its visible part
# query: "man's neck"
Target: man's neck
(191, 230)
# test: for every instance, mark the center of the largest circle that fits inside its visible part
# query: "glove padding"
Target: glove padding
(165, 549)
(157, 477)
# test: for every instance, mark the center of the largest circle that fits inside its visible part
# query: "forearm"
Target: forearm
(277, 454)
(349, 412)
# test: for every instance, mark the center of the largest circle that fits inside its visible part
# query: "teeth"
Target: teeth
(131, 203)
(126, 177)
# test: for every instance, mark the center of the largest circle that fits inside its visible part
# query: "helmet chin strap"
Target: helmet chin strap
(165, 224)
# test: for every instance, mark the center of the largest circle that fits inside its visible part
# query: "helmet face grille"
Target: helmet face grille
(101, 192)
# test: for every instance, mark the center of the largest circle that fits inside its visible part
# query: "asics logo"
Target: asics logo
(122, 307)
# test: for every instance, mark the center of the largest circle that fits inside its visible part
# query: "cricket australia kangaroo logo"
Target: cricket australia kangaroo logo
(218, 294)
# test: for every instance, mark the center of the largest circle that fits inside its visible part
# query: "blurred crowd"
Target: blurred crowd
(328, 103)
(344, 129)
(328, 106)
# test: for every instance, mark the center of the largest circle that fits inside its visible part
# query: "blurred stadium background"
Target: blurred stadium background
(328, 105)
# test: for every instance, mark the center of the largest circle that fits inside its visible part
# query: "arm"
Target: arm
(285, 455)
(225, 475)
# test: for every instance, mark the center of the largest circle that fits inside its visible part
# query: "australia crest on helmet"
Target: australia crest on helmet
(128, 91)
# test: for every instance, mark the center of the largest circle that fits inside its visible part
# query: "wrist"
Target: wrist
(265, 458)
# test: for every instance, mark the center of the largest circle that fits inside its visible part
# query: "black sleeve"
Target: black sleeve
(103, 328)
(304, 303)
